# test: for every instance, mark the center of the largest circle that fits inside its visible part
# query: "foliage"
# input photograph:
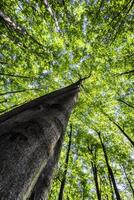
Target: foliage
(46, 45)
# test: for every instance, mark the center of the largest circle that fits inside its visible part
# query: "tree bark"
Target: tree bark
(111, 188)
(28, 139)
(42, 186)
(95, 172)
(63, 182)
(110, 171)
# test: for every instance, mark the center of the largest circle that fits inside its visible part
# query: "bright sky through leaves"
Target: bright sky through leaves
(46, 45)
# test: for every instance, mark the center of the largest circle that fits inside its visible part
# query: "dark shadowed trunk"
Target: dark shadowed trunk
(63, 181)
(95, 174)
(110, 171)
(30, 142)
(94, 170)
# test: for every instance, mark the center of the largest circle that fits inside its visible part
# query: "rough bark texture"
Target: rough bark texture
(28, 138)
(42, 186)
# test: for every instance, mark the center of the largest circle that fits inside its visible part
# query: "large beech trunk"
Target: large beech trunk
(42, 186)
(30, 142)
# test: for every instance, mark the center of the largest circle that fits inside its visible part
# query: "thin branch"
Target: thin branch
(52, 15)
(84, 78)
(125, 73)
(4, 101)
(3, 63)
(18, 91)
(15, 75)
(131, 106)
(119, 127)
(98, 11)
(9, 23)
(129, 181)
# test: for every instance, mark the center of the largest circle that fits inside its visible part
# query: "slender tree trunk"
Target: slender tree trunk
(111, 188)
(28, 138)
(95, 171)
(63, 182)
(95, 174)
(109, 169)
(100, 184)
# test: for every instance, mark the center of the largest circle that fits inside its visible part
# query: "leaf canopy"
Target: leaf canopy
(46, 45)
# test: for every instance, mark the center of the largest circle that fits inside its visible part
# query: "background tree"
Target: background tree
(46, 45)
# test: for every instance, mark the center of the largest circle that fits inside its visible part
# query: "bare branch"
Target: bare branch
(128, 104)
(18, 91)
(131, 72)
(52, 15)
(11, 24)
(15, 75)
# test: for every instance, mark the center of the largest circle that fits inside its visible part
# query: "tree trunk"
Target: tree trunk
(61, 192)
(95, 174)
(111, 188)
(42, 186)
(109, 169)
(29, 136)
(95, 171)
